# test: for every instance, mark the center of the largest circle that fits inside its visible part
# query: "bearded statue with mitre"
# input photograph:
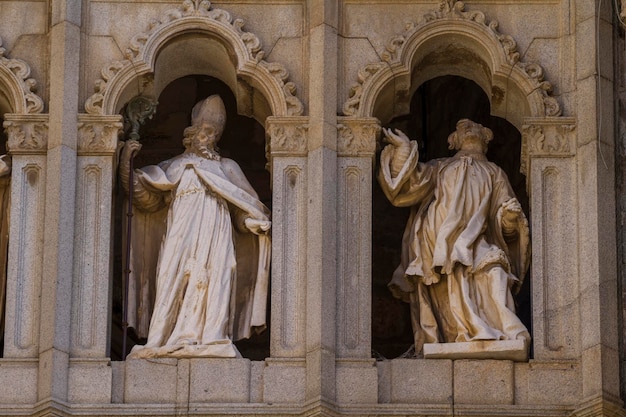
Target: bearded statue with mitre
(200, 248)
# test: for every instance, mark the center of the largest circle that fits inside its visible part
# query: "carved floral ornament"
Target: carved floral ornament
(547, 138)
(196, 14)
(16, 74)
(97, 135)
(27, 133)
(286, 136)
(357, 137)
(395, 57)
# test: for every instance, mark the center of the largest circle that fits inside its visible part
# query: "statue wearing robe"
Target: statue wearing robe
(466, 243)
(210, 281)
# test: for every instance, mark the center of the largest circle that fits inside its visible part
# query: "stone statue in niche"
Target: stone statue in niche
(200, 248)
(465, 248)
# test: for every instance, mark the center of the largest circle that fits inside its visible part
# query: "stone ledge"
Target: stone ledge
(513, 350)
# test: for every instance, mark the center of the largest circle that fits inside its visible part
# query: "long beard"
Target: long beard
(208, 153)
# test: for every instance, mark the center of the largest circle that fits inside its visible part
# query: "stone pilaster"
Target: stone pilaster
(356, 147)
(27, 145)
(321, 284)
(58, 230)
(548, 151)
(285, 371)
(90, 319)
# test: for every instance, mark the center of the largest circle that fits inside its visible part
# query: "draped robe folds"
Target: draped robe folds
(209, 285)
(459, 260)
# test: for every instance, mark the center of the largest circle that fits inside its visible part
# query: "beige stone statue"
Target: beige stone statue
(466, 244)
(201, 218)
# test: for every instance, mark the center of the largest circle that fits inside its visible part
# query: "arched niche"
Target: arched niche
(453, 41)
(188, 40)
(197, 39)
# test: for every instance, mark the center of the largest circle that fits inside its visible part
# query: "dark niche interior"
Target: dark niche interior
(243, 140)
(436, 107)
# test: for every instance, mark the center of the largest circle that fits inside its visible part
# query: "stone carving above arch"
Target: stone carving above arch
(196, 16)
(14, 75)
(500, 54)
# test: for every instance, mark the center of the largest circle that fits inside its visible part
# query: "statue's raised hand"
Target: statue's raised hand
(396, 137)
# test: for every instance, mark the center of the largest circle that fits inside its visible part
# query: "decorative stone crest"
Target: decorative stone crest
(286, 136)
(452, 10)
(97, 135)
(27, 134)
(21, 72)
(194, 10)
(547, 138)
(357, 137)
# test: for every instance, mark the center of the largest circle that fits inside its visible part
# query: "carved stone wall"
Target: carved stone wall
(322, 77)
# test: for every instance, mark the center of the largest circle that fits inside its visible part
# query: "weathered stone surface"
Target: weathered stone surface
(284, 381)
(18, 379)
(90, 381)
(151, 381)
(219, 380)
(357, 382)
(483, 382)
(544, 383)
(421, 381)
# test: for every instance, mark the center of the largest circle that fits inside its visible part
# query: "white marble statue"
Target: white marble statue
(210, 282)
(466, 244)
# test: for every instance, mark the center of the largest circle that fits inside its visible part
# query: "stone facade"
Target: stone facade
(321, 77)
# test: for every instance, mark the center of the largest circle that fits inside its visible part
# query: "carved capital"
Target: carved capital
(357, 137)
(27, 133)
(97, 135)
(547, 138)
(286, 136)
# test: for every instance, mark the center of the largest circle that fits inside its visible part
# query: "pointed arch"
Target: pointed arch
(195, 38)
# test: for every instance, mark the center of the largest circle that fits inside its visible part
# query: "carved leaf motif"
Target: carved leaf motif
(357, 138)
(26, 136)
(288, 138)
(98, 136)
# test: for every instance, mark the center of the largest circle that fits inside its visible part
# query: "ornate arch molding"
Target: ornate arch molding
(472, 47)
(26, 126)
(19, 88)
(198, 17)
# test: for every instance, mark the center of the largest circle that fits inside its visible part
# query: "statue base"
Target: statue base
(513, 350)
(217, 350)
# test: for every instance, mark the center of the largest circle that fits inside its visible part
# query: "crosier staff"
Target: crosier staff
(138, 110)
